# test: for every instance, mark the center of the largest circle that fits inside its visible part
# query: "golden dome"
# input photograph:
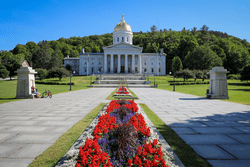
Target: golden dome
(122, 26)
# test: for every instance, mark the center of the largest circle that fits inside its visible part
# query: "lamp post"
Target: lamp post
(174, 80)
(154, 78)
(70, 79)
(90, 84)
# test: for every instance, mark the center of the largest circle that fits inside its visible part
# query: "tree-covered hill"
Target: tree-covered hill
(204, 47)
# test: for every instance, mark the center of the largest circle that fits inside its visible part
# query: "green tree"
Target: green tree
(11, 62)
(202, 58)
(42, 73)
(68, 67)
(245, 74)
(4, 73)
(42, 57)
(58, 73)
(176, 64)
(185, 74)
(56, 60)
(153, 28)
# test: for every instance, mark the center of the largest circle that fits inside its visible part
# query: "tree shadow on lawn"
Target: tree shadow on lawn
(244, 90)
(239, 84)
(7, 98)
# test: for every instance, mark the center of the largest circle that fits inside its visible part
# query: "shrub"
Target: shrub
(4, 73)
(58, 73)
(185, 74)
(233, 76)
(42, 73)
(245, 74)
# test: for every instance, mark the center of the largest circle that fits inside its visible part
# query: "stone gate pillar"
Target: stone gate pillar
(218, 83)
(25, 80)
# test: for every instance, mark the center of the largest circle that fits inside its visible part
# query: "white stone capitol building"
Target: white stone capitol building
(121, 57)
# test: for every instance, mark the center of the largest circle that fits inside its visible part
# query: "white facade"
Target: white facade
(121, 57)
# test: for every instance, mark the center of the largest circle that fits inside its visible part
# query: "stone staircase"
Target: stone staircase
(131, 80)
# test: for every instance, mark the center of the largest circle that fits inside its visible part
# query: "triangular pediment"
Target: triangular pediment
(122, 46)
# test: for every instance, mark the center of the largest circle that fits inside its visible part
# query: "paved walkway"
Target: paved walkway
(29, 127)
(217, 130)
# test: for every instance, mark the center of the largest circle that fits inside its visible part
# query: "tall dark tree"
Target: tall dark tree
(56, 60)
(245, 74)
(176, 64)
(153, 28)
(42, 57)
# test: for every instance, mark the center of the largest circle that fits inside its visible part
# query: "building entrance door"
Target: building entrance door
(122, 69)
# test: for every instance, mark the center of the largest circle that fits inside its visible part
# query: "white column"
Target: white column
(139, 64)
(105, 64)
(126, 63)
(119, 64)
(112, 64)
(133, 63)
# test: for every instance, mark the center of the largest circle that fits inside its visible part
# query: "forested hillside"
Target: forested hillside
(197, 49)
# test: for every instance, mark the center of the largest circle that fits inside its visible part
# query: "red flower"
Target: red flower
(129, 163)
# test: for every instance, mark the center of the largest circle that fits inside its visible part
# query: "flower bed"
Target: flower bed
(121, 138)
(123, 91)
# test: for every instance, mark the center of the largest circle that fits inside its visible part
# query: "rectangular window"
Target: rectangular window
(117, 39)
(122, 39)
(152, 70)
(127, 39)
(145, 62)
(92, 69)
(135, 69)
(159, 69)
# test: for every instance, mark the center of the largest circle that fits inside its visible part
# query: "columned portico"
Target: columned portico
(121, 57)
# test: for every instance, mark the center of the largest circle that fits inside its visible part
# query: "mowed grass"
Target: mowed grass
(185, 153)
(8, 88)
(237, 91)
(54, 153)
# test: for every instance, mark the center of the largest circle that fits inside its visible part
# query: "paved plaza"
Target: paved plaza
(217, 130)
(29, 127)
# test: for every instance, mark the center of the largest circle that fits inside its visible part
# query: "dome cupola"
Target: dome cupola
(122, 32)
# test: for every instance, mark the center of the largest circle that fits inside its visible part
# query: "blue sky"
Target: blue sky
(37, 20)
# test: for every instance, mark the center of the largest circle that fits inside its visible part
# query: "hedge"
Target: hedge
(189, 83)
(54, 83)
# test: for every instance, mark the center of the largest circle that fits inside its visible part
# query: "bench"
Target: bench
(33, 95)
(125, 98)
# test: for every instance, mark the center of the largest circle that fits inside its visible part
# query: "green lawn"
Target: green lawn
(8, 88)
(238, 91)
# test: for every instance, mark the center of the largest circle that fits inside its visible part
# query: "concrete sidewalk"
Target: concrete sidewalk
(218, 131)
(29, 127)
